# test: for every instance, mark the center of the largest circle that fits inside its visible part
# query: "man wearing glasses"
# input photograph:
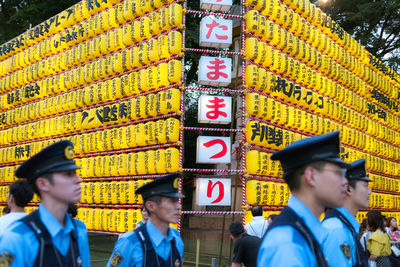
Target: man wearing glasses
(315, 175)
(341, 224)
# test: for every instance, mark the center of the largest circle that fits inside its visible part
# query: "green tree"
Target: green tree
(16, 16)
(374, 23)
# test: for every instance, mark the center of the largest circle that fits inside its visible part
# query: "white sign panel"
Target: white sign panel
(216, 5)
(215, 32)
(215, 109)
(215, 71)
(213, 149)
(213, 192)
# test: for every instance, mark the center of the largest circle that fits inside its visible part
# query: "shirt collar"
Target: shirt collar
(313, 223)
(51, 223)
(350, 218)
(258, 218)
(156, 236)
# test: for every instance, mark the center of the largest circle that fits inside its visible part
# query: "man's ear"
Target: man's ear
(42, 184)
(349, 190)
(10, 199)
(150, 206)
(309, 176)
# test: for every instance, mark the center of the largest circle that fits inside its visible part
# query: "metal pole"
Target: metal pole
(222, 240)
(197, 251)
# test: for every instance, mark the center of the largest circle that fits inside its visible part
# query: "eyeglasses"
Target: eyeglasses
(341, 171)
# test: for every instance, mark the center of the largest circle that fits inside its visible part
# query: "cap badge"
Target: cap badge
(175, 184)
(69, 152)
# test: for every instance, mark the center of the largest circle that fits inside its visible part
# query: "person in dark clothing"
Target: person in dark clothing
(246, 246)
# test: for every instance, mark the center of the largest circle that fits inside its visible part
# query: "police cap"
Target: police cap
(54, 158)
(308, 150)
(166, 186)
(357, 171)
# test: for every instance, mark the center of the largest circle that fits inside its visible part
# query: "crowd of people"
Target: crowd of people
(319, 181)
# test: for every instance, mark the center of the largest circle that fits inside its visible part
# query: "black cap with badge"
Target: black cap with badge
(166, 186)
(308, 150)
(357, 171)
(54, 158)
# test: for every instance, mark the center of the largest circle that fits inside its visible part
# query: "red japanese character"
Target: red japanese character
(217, 67)
(215, 142)
(215, 113)
(210, 189)
(214, 24)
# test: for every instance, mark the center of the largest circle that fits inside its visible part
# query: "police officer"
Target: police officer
(342, 241)
(316, 178)
(49, 236)
(154, 243)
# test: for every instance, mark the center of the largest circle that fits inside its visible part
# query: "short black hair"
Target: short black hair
(236, 229)
(293, 179)
(21, 192)
(375, 220)
(72, 209)
(256, 211)
(48, 176)
(353, 182)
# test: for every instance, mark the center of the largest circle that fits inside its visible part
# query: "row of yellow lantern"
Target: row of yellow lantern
(385, 183)
(140, 107)
(7, 174)
(279, 113)
(92, 64)
(384, 201)
(145, 79)
(268, 109)
(141, 134)
(274, 59)
(116, 192)
(149, 25)
(267, 193)
(259, 163)
(277, 194)
(111, 220)
(271, 137)
(138, 135)
(305, 50)
(309, 22)
(267, 82)
(130, 164)
(125, 164)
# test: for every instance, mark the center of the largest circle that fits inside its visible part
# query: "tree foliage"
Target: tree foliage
(374, 23)
(16, 16)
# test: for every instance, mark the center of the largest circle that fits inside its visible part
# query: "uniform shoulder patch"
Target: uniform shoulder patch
(6, 258)
(346, 250)
(116, 259)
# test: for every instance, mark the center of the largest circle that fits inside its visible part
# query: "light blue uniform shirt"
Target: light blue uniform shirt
(130, 252)
(22, 243)
(339, 235)
(285, 246)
